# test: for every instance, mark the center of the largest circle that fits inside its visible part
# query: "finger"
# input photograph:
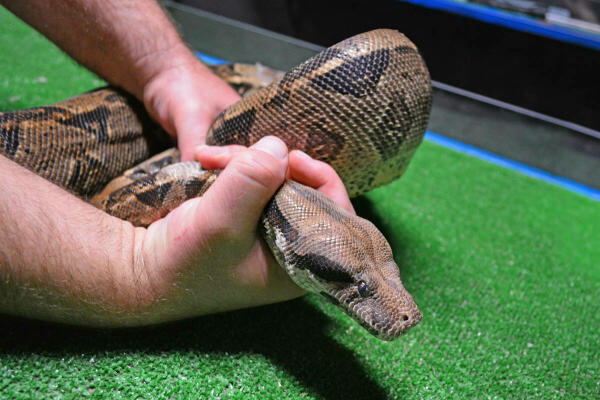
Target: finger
(194, 117)
(237, 198)
(185, 100)
(191, 124)
(318, 175)
(216, 157)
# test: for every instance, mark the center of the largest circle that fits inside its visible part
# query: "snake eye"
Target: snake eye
(363, 289)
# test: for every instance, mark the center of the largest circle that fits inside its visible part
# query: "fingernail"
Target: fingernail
(213, 150)
(272, 146)
(303, 154)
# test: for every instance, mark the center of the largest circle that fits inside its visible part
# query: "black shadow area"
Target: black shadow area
(291, 334)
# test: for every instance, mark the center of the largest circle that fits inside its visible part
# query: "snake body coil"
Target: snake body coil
(361, 105)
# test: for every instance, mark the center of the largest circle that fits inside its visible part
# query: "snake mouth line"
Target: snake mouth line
(408, 320)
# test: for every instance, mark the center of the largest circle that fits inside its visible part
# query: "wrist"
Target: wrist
(150, 65)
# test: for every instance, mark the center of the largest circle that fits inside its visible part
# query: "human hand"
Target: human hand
(64, 260)
(206, 256)
(185, 98)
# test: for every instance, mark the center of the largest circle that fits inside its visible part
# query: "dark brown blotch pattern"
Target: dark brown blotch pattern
(357, 77)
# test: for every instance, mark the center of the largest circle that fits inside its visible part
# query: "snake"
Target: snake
(361, 105)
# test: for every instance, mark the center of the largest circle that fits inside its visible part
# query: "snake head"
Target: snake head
(345, 258)
(364, 281)
(375, 298)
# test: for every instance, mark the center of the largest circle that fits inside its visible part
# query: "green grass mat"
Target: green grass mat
(506, 270)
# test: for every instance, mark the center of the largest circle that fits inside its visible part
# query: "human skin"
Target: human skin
(63, 260)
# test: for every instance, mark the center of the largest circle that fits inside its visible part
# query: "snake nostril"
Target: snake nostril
(405, 318)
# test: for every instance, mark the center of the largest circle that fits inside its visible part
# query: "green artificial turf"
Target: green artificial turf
(505, 268)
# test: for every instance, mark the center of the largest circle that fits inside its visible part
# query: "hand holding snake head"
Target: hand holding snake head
(362, 106)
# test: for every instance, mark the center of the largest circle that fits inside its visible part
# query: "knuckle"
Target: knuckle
(326, 168)
(260, 170)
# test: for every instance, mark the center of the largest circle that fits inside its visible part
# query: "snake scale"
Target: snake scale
(361, 105)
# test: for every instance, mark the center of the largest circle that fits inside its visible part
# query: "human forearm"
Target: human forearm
(126, 42)
(54, 262)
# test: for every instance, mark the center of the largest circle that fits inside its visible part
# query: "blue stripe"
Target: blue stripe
(210, 60)
(513, 21)
(516, 166)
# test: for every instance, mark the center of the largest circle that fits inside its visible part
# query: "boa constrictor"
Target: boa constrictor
(361, 105)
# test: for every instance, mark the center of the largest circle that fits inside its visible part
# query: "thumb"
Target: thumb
(240, 194)
(229, 210)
